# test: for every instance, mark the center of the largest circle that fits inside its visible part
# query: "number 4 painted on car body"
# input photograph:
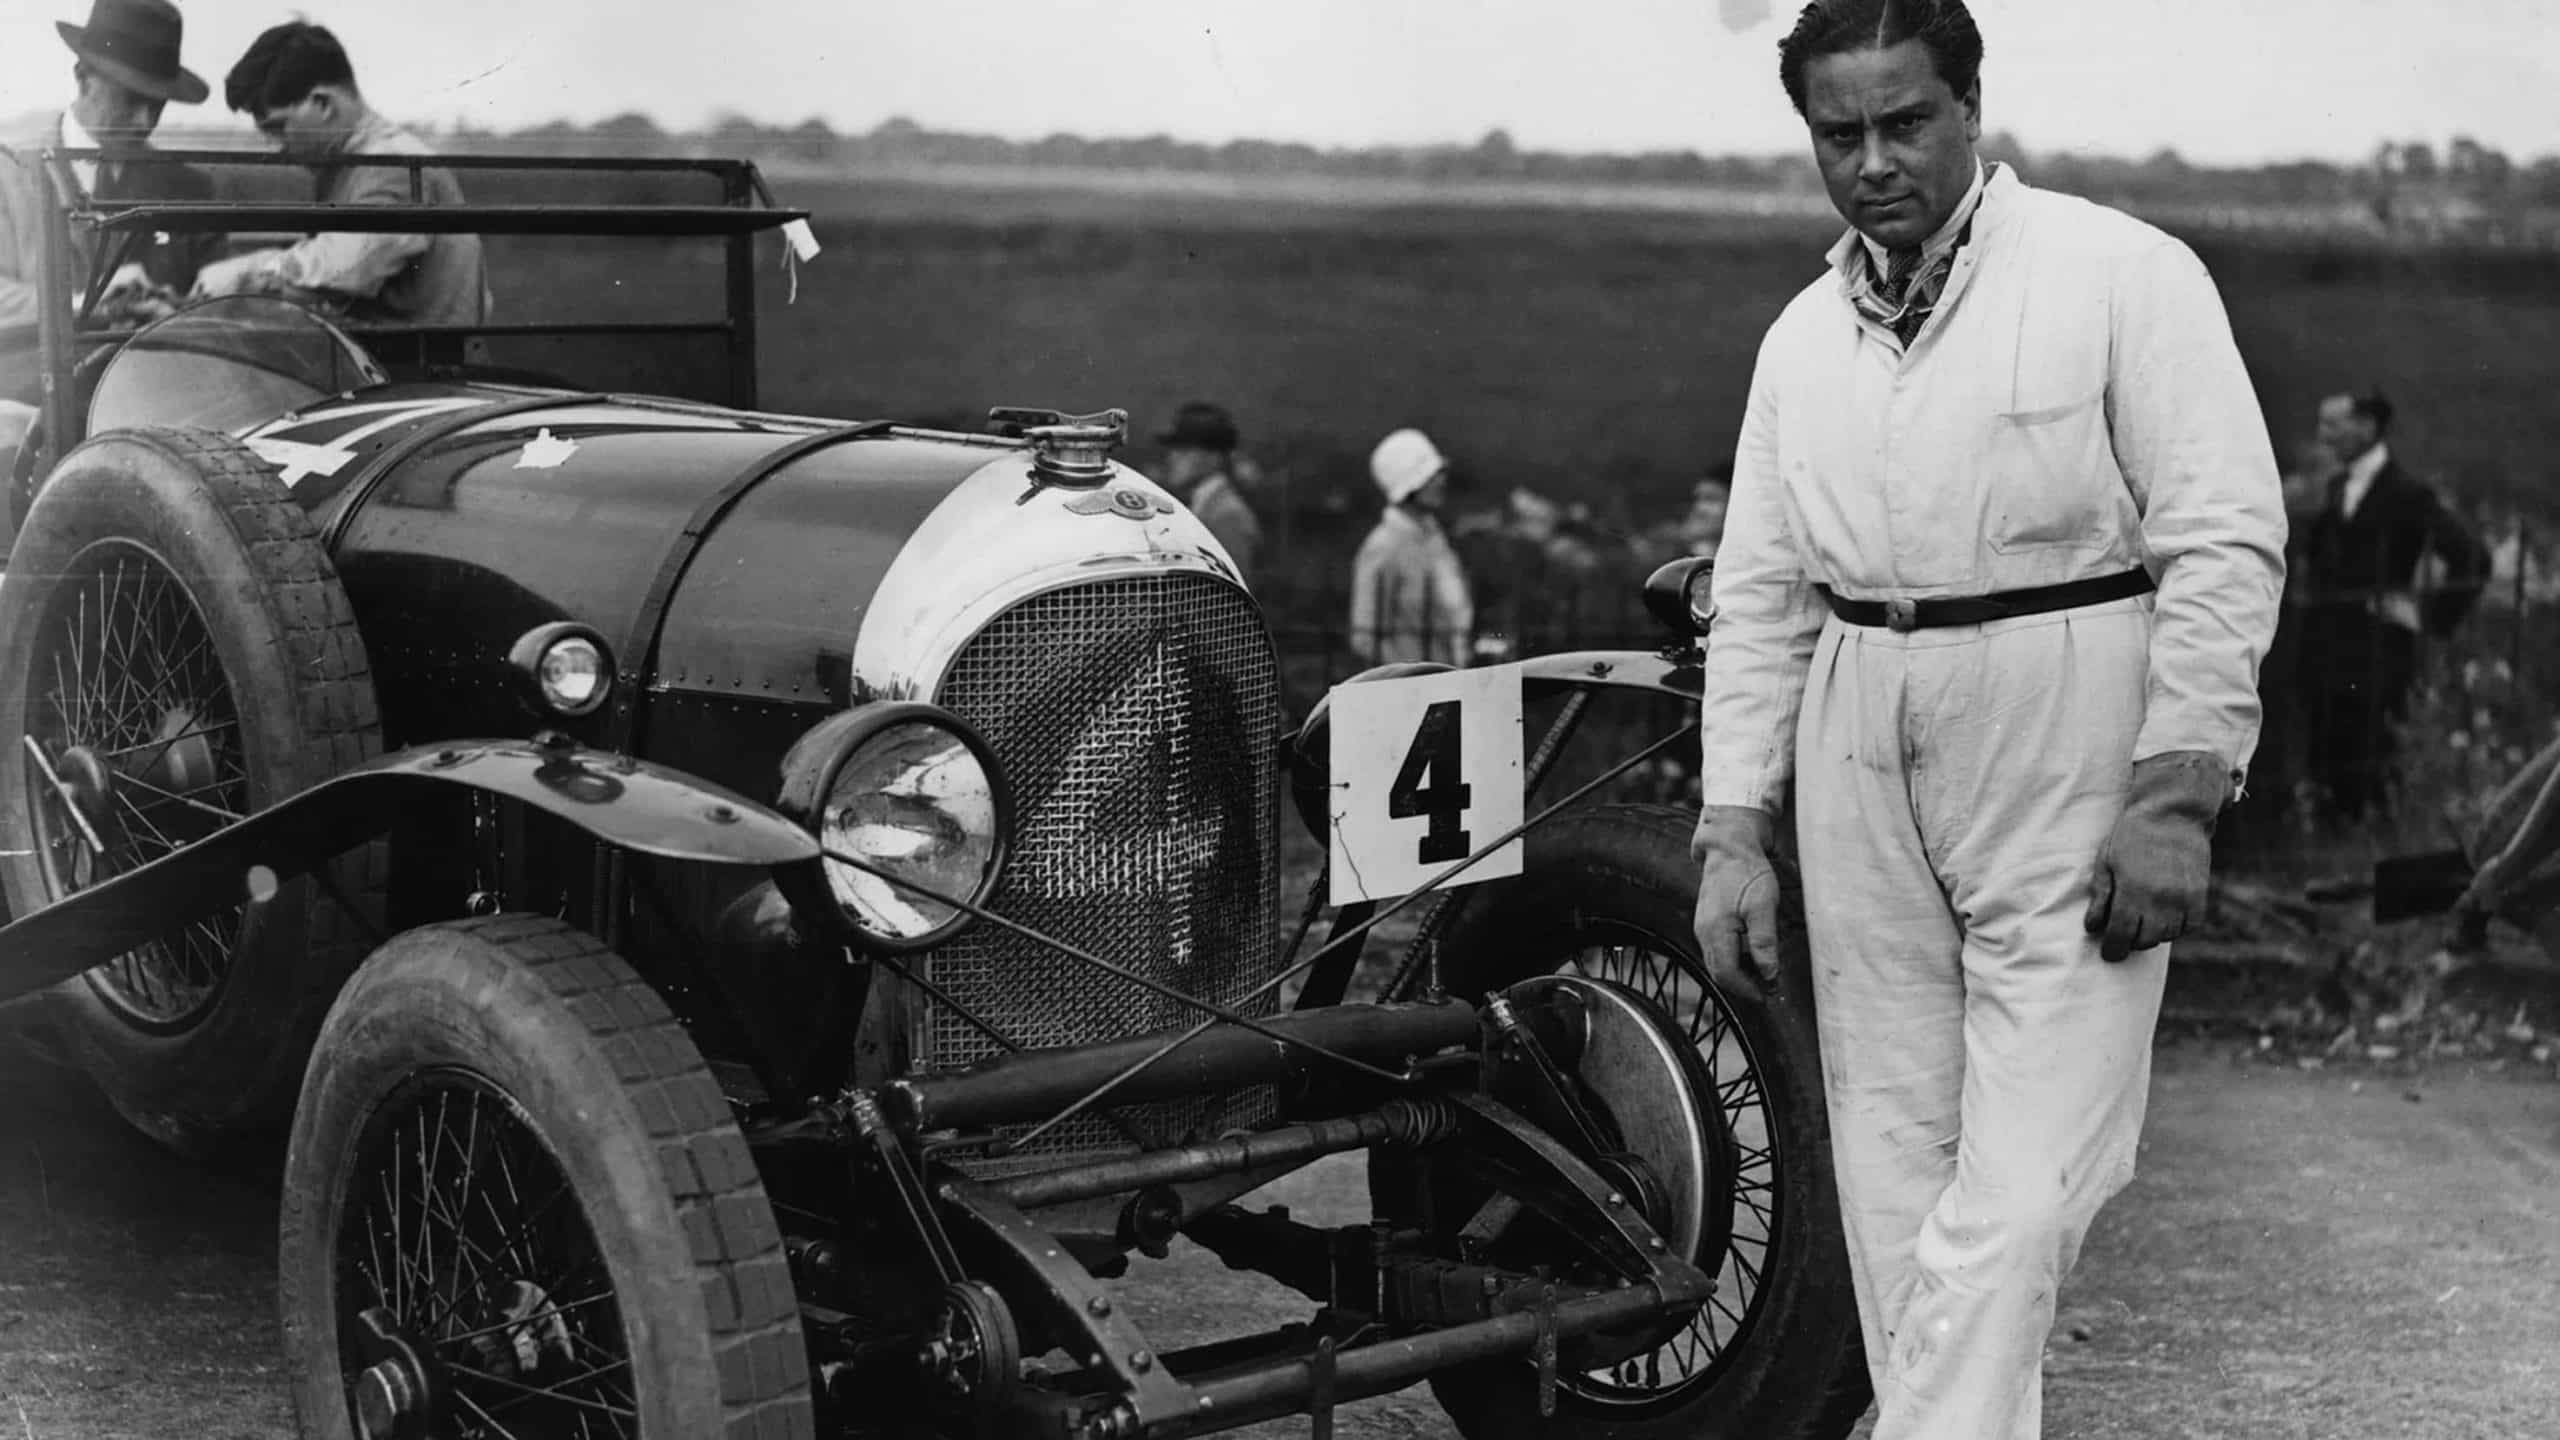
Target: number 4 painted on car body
(1425, 768)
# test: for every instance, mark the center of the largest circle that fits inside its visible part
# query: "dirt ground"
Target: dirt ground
(2334, 1253)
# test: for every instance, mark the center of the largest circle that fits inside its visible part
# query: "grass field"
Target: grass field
(1594, 353)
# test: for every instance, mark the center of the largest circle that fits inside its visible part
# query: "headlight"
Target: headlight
(910, 791)
(563, 669)
(1681, 594)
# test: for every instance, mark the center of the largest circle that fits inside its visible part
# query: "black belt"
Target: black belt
(1983, 609)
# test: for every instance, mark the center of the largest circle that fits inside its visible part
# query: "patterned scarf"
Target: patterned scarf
(1903, 297)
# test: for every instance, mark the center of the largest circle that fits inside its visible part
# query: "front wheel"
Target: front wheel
(516, 1204)
(1775, 1355)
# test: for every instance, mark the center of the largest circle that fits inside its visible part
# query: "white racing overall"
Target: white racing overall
(2074, 408)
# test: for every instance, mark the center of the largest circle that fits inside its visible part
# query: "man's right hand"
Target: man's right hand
(1737, 919)
(251, 273)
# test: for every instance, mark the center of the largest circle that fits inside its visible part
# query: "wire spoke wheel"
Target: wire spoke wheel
(517, 1206)
(463, 1236)
(1694, 1356)
(179, 655)
(1608, 894)
(138, 736)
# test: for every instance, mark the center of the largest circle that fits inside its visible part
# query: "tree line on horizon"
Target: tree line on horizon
(2464, 190)
(2465, 185)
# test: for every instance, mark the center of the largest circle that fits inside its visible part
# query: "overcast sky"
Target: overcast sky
(2220, 80)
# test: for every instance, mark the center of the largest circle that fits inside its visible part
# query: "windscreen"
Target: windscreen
(228, 364)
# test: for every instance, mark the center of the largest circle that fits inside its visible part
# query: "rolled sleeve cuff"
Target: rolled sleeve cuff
(2232, 747)
(1759, 790)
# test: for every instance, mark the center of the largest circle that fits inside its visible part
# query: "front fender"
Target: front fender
(635, 804)
(617, 799)
(1681, 677)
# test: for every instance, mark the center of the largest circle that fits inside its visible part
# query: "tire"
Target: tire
(528, 1058)
(1610, 891)
(241, 676)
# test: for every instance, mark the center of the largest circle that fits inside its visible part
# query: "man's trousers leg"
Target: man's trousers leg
(1888, 999)
(2394, 675)
(2335, 662)
(1987, 1070)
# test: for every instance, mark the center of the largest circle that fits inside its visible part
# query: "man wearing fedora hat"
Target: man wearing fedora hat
(124, 71)
(1199, 468)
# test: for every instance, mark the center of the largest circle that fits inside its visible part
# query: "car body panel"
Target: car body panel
(851, 572)
(1002, 536)
(568, 513)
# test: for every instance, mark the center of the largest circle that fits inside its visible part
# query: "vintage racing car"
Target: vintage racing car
(750, 924)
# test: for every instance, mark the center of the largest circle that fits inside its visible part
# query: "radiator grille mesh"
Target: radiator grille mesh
(1137, 718)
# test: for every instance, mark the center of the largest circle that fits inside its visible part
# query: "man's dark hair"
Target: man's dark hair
(1843, 27)
(2375, 406)
(284, 65)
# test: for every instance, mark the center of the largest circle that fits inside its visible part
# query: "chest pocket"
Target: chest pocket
(2049, 464)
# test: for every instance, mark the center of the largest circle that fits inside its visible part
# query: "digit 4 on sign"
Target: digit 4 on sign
(1425, 769)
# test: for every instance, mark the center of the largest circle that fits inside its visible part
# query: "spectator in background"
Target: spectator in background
(2260, 819)
(1409, 596)
(1556, 538)
(1530, 565)
(2307, 482)
(2521, 563)
(1697, 530)
(1555, 548)
(124, 73)
(1702, 529)
(2367, 601)
(298, 85)
(1200, 469)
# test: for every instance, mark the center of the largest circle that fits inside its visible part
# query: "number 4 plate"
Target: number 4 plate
(1425, 769)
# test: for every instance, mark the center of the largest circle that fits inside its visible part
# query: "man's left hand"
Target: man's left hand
(132, 297)
(2152, 873)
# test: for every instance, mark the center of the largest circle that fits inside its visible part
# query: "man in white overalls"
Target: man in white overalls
(2005, 548)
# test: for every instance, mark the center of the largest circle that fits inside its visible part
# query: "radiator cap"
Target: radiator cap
(1069, 450)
